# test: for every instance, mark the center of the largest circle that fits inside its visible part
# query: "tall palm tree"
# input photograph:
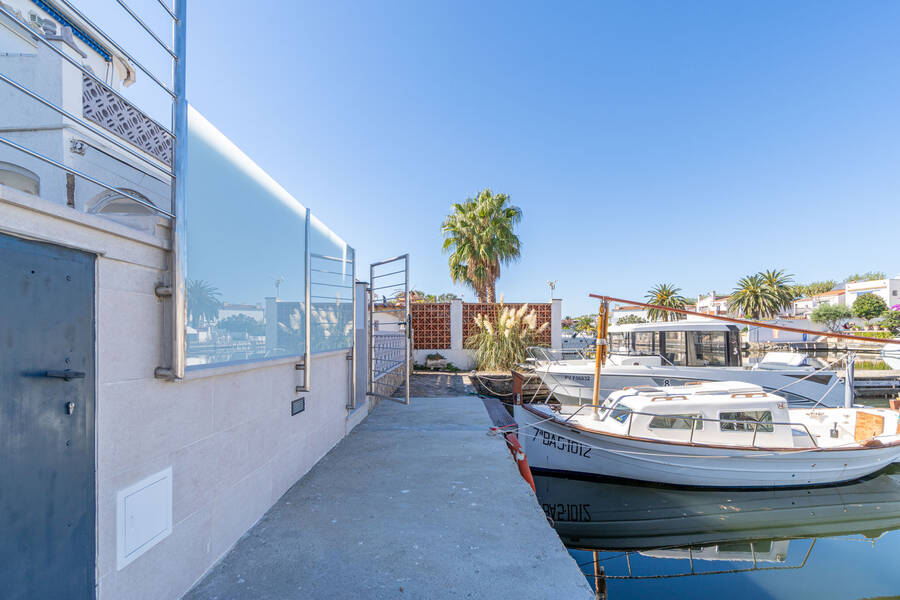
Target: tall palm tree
(665, 294)
(781, 285)
(754, 298)
(202, 301)
(480, 236)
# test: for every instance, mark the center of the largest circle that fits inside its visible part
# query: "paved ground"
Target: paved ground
(425, 384)
(417, 502)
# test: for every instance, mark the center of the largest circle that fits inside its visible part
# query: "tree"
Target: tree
(833, 316)
(869, 306)
(628, 319)
(568, 323)
(203, 302)
(891, 320)
(804, 290)
(447, 297)
(480, 236)
(243, 323)
(754, 298)
(665, 294)
(867, 276)
(584, 324)
(779, 283)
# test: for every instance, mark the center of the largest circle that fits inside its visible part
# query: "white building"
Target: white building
(802, 307)
(128, 485)
(712, 304)
(887, 289)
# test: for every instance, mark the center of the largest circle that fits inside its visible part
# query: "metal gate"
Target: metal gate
(390, 337)
(47, 498)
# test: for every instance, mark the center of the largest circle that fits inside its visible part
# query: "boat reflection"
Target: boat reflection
(752, 529)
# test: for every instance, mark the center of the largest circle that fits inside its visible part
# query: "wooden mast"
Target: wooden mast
(600, 354)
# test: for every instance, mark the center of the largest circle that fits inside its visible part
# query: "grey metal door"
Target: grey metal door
(390, 348)
(47, 496)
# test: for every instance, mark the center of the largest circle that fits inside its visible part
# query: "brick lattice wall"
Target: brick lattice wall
(542, 311)
(431, 325)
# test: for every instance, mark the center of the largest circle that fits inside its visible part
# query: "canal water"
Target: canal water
(660, 542)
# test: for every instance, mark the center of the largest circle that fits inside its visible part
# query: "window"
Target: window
(19, 178)
(620, 413)
(673, 347)
(747, 421)
(643, 342)
(676, 422)
(708, 348)
(617, 342)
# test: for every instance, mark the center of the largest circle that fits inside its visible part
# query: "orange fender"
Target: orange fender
(518, 454)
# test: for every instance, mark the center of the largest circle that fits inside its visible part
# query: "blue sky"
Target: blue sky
(683, 142)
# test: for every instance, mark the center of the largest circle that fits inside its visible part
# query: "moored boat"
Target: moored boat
(723, 434)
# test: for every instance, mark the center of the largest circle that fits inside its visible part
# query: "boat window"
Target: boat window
(708, 348)
(676, 422)
(620, 413)
(747, 421)
(673, 348)
(643, 342)
(618, 343)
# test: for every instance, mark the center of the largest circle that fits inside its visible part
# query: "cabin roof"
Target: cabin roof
(682, 325)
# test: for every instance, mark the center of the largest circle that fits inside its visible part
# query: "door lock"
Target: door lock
(70, 408)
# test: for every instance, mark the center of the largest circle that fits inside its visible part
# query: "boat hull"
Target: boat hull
(556, 447)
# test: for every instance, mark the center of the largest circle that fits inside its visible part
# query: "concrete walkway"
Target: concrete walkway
(417, 502)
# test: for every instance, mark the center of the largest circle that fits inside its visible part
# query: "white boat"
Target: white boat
(723, 434)
(891, 355)
(674, 353)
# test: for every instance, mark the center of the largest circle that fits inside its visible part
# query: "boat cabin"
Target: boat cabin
(681, 343)
(727, 413)
(734, 413)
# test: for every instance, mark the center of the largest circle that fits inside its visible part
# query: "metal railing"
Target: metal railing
(608, 410)
(66, 14)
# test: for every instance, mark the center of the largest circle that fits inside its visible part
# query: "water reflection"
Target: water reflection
(832, 542)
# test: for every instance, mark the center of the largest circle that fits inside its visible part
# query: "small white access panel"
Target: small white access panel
(143, 516)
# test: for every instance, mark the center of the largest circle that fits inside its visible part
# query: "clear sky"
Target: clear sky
(646, 142)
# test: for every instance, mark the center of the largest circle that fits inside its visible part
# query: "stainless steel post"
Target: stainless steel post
(179, 194)
(848, 380)
(351, 404)
(409, 331)
(307, 351)
(370, 333)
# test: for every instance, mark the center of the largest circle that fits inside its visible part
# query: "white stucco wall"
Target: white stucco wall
(227, 433)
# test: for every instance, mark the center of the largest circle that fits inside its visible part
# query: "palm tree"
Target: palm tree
(202, 301)
(781, 285)
(480, 236)
(755, 298)
(665, 294)
(584, 324)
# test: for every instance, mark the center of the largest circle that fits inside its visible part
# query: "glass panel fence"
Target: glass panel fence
(246, 279)
(331, 289)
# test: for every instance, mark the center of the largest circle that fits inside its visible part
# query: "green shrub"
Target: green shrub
(882, 335)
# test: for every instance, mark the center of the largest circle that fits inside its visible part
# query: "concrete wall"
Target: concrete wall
(227, 433)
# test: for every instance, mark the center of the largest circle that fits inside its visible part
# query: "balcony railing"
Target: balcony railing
(117, 116)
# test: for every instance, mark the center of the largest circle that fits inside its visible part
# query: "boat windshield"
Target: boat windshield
(683, 348)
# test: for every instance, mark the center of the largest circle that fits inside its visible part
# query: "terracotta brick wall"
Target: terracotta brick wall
(431, 325)
(542, 311)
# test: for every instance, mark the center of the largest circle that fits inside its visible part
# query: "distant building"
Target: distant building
(254, 311)
(804, 306)
(712, 304)
(620, 311)
(887, 289)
